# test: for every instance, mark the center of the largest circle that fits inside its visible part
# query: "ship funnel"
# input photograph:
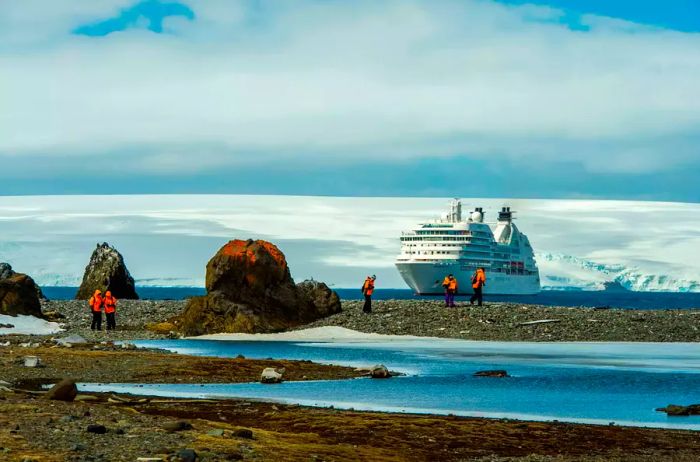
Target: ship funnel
(478, 215)
(455, 211)
(505, 214)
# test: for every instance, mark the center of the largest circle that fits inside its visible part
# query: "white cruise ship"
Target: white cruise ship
(434, 249)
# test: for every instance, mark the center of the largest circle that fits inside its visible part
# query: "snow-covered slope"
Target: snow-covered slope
(563, 272)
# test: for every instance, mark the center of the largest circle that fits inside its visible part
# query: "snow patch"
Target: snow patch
(28, 325)
(329, 334)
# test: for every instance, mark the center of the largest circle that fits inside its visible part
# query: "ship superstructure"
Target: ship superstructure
(458, 246)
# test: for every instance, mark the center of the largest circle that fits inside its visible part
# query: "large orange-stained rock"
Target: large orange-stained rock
(250, 289)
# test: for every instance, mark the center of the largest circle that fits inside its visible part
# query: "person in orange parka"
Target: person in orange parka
(110, 309)
(478, 283)
(367, 290)
(96, 302)
(450, 285)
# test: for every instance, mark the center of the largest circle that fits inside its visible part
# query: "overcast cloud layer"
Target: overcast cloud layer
(255, 87)
(167, 240)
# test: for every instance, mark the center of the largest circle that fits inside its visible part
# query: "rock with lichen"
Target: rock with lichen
(250, 289)
(107, 271)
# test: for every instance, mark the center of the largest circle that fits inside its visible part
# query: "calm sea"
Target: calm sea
(613, 299)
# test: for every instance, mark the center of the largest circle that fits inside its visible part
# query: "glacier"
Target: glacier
(562, 272)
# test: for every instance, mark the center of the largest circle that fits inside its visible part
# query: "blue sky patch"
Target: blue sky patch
(682, 15)
(152, 12)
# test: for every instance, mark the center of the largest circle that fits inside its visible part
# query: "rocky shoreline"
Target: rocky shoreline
(34, 429)
(518, 322)
(493, 321)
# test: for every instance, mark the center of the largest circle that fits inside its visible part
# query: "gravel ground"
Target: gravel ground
(493, 321)
(502, 321)
(131, 318)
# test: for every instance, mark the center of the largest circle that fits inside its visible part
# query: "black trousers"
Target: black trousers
(96, 320)
(478, 295)
(368, 304)
(111, 322)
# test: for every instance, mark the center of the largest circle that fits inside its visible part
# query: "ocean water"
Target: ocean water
(614, 299)
(576, 382)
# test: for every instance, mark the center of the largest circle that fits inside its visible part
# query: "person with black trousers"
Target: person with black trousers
(367, 290)
(110, 309)
(96, 302)
(478, 283)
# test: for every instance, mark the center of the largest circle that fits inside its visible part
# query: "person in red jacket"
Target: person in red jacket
(367, 290)
(110, 309)
(96, 302)
(478, 283)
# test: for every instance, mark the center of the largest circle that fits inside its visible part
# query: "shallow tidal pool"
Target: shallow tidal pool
(575, 382)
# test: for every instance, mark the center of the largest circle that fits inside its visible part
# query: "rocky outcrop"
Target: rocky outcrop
(7, 272)
(676, 410)
(250, 289)
(492, 373)
(107, 271)
(18, 295)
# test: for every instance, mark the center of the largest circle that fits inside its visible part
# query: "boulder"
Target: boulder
(493, 373)
(271, 375)
(325, 301)
(18, 295)
(7, 272)
(379, 372)
(107, 271)
(65, 390)
(250, 289)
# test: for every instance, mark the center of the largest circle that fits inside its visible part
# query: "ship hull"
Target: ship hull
(426, 279)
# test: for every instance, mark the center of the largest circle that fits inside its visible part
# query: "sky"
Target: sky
(168, 239)
(474, 98)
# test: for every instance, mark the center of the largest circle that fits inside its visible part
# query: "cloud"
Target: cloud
(265, 82)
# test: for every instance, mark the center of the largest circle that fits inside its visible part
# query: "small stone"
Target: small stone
(97, 429)
(216, 432)
(186, 455)
(77, 447)
(243, 433)
(31, 361)
(177, 425)
(270, 375)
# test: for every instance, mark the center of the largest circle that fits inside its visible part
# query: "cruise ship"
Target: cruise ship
(434, 249)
